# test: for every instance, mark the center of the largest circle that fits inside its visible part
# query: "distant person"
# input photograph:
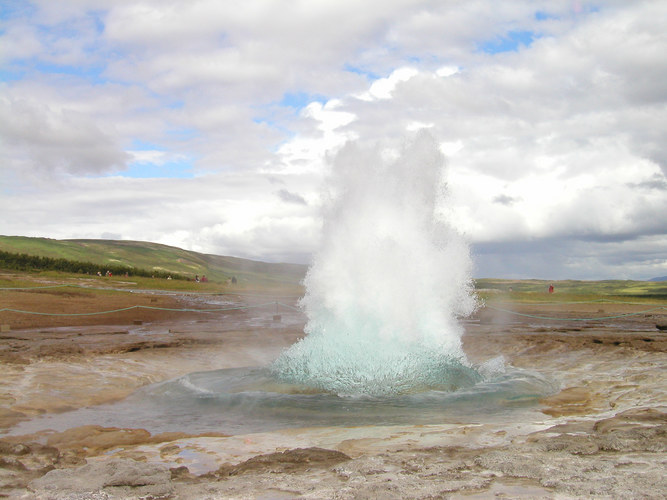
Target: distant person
(197, 278)
(551, 289)
(233, 280)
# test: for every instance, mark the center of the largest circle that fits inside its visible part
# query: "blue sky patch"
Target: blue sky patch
(90, 73)
(272, 114)
(169, 170)
(141, 145)
(9, 75)
(9, 10)
(544, 16)
(360, 71)
(508, 43)
(300, 100)
(156, 163)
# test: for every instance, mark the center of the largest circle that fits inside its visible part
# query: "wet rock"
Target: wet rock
(10, 417)
(289, 461)
(29, 456)
(7, 448)
(630, 419)
(95, 438)
(12, 464)
(20, 463)
(118, 477)
(182, 473)
(569, 401)
(574, 444)
(637, 429)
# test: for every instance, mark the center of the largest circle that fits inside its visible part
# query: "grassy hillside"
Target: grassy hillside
(219, 269)
(153, 256)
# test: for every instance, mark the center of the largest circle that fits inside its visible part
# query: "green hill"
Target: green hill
(157, 257)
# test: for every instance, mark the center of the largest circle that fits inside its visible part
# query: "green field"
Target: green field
(571, 290)
(261, 275)
(157, 257)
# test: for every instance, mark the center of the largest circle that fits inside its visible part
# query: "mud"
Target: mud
(602, 435)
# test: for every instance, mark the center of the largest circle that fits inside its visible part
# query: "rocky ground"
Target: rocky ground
(603, 435)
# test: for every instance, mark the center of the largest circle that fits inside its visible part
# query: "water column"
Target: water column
(388, 283)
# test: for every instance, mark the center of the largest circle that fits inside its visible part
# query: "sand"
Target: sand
(603, 434)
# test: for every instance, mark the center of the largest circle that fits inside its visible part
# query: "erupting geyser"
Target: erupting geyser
(383, 347)
(388, 283)
(383, 341)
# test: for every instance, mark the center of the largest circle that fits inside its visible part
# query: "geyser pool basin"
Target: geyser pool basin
(247, 400)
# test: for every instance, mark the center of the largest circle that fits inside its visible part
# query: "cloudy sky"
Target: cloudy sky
(211, 124)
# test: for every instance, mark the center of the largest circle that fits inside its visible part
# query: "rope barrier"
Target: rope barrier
(148, 290)
(41, 287)
(288, 306)
(500, 309)
(223, 309)
(166, 292)
(240, 294)
(219, 309)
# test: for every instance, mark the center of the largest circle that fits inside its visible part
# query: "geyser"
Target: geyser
(383, 347)
(388, 283)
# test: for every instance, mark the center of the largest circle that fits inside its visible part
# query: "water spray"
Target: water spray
(388, 283)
